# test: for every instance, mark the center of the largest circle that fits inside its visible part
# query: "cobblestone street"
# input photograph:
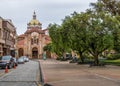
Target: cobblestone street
(24, 75)
(2, 72)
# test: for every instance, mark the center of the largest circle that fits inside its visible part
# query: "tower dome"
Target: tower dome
(34, 22)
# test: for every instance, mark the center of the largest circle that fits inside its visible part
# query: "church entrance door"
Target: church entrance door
(20, 52)
(35, 53)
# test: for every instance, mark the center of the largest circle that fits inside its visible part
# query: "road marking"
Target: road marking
(108, 78)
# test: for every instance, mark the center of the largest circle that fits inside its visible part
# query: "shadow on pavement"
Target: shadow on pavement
(47, 84)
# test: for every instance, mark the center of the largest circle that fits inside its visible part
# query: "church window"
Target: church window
(37, 41)
(31, 41)
(34, 40)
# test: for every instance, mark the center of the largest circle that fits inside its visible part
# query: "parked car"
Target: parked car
(20, 61)
(7, 61)
(26, 59)
(16, 62)
(68, 56)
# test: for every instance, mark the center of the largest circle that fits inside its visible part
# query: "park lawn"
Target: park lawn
(113, 62)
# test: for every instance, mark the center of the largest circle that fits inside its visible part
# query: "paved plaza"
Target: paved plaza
(58, 73)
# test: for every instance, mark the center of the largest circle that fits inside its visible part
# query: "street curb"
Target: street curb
(41, 80)
(38, 84)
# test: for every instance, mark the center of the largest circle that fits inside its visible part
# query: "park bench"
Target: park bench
(92, 63)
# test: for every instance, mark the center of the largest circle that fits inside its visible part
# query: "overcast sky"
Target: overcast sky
(47, 11)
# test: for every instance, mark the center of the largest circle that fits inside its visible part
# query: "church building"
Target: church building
(31, 43)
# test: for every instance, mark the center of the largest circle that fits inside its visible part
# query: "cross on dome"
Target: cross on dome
(34, 15)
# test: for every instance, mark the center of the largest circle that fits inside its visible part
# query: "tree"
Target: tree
(59, 39)
(76, 32)
(113, 8)
(53, 32)
(48, 47)
(95, 30)
(100, 36)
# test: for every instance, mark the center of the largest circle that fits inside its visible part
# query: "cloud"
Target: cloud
(48, 11)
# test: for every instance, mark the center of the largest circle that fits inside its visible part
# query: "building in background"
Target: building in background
(31, 43)
(7, 37)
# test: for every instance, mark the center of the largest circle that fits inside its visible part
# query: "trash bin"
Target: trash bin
(44, 56)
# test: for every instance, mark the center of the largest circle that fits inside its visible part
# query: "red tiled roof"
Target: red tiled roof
(34, 30)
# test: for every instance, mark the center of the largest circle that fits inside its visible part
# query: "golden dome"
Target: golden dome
(34, 22)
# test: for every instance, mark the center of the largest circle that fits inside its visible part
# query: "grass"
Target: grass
(113, 62)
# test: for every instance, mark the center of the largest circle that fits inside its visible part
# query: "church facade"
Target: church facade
(31, 43)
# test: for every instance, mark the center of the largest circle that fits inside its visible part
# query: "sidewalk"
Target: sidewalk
(59, 73)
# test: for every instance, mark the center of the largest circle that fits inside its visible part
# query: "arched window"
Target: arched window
(34, 40)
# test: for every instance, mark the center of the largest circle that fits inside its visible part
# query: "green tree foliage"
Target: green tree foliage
(99, 34)
(48, 47)
(94, 31)
(76, 28)
(54, 34)
(113, 8)
(59, 39)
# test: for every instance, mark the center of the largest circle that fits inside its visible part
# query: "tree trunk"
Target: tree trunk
(96, 61)
(73, 53)
(81, 57)
(64, 55)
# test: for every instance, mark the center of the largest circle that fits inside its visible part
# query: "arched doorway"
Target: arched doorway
(20, 52)
(34, 52)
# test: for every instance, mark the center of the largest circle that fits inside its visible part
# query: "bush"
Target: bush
(58, 58)
(88, 57)
(114, 56)
(61, 59)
